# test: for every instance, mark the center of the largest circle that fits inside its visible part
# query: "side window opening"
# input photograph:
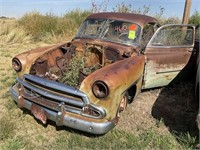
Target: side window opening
(173, 36)
(148, 32)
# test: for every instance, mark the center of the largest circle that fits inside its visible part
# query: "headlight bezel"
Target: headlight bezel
(100, 89)
(16, 64)
(93, 111)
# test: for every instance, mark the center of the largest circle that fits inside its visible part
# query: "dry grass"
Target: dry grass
(138, 128)
(10, 115)
(52, 28)
(10, 33)
(172, 109)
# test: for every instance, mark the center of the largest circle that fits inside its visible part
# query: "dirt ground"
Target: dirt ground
(172, 108)
(168, 110)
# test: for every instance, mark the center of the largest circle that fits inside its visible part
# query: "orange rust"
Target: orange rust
(28, 58)
(124, 68)
(121, 77)
(137, 18)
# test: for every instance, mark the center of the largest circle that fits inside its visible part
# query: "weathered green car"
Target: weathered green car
(85, 83)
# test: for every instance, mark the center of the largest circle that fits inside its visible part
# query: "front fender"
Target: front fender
(29, 57)
(119, 77)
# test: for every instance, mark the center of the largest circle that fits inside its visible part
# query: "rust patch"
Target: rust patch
(39, 113)
(131, 17)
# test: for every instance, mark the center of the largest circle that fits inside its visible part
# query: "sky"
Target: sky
(17, 8)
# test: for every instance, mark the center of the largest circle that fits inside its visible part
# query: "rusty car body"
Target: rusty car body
(122, 53)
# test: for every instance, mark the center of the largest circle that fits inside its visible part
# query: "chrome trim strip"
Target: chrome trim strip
(57, 86)
(38, 96)
(98, 109)
(75, 123)
(50, 95)
(160, 72)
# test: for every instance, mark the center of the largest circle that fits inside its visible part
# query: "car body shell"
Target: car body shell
(125, 75)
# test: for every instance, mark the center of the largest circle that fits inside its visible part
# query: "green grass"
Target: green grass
(22, 131)
(19, 129)
(186, 140)
(6, 127)
(14, 144)
(116, 139)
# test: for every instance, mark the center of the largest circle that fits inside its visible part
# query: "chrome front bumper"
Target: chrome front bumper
(61, 118)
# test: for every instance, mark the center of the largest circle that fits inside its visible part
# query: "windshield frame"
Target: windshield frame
(104, 27)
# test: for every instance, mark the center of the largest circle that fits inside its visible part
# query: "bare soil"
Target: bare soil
(171, 109)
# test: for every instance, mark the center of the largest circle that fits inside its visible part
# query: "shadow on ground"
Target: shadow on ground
(176, 104)
(176, 107)
(60, 128)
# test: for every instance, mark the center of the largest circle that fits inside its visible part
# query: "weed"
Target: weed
(14, 144)
(43, 26)
(195, 18)
(70, 76)
(38, 25)
(10, 105)
(10, 32)
(99, 7)
(151, 139)
(186, 140)
(6, 128)
(77, 16)
(170, 20)
(159, 123)
(31, 135)
(117, 140)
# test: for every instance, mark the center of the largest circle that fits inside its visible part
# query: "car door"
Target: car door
(168, 54)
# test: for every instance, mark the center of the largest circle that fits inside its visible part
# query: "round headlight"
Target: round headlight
(16, 64)
(100, 89)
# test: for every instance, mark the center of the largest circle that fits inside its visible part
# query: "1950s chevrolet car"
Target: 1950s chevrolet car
(85, 84)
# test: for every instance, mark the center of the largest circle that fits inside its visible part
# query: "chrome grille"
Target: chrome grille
(51, 94)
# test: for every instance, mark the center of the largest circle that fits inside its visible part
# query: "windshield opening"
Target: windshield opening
(110, 30)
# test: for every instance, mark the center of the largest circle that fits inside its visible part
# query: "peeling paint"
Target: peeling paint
(121, 70)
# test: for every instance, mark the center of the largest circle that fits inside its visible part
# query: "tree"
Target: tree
(195, 18)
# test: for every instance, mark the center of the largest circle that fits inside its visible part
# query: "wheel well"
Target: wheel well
(131, 93)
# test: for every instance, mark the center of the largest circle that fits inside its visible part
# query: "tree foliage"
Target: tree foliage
(195, 18)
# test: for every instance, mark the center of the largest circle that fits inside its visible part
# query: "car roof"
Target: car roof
(129, 17)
